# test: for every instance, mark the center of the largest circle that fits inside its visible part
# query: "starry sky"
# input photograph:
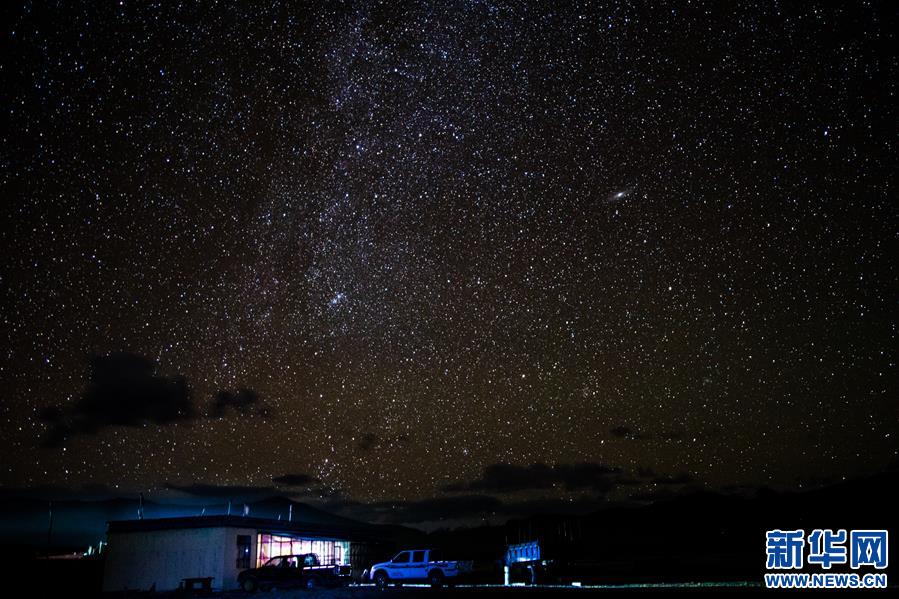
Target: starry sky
(412, 252)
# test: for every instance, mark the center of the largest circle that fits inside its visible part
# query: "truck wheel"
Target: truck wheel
(436, 579)
(312, 582)
(249, 585)
(381, 579)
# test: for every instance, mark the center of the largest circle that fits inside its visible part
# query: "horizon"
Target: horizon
(185, 505)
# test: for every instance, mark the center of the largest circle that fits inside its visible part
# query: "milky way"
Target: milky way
(388, 246)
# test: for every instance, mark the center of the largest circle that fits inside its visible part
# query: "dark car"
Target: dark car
(293, 570)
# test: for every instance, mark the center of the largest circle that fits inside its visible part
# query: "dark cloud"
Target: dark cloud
(297, 486)
(552, 505)
(625, 432)
(462, 510)
(594, 481)
(124, 390)
(245, 402)
(223, 491)
(651, 496)
(679, 479)
(367, 442)
(626, 480)
(509, 478)
(622, 431)
(295, 480)
(464, 507)
(648, 475)
(441, 508)
(58, 492)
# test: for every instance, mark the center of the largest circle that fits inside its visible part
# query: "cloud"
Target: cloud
(243, 401)
(461, 510)
(509, 478)
(649, 476)
(291, 484)
(367, 442)
(124, 390)
(679, 479)
(620, 431)
(295, 480)
(654, 495)
(592, 483)
(623, 432)
(464, 507)
(223, 492)
(86, 492)
(439, 508)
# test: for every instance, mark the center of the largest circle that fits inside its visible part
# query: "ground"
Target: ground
(364, 592)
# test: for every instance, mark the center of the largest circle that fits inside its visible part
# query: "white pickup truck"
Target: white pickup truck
(417, 565)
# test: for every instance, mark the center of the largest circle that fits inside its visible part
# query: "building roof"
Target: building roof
(357, 531)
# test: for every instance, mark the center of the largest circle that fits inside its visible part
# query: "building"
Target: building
(158, 554)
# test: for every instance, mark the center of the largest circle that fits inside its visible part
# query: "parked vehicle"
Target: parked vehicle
(293, 570)
(418, 566)
(530, 563)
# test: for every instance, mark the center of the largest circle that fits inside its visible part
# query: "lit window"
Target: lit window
(328, 551)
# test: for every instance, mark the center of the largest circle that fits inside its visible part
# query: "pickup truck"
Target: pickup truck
(417, 566)
(284, 571)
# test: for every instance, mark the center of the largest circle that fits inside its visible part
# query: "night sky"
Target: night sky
(378, 253)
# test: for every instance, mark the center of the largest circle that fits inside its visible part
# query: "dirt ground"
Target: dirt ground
(365, 592)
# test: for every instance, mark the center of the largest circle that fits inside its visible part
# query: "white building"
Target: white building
(160, 553)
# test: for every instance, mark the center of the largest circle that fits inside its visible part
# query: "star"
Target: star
(337, 299)
(446, 226)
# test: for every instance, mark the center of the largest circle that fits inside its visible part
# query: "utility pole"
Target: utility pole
(49, 526)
